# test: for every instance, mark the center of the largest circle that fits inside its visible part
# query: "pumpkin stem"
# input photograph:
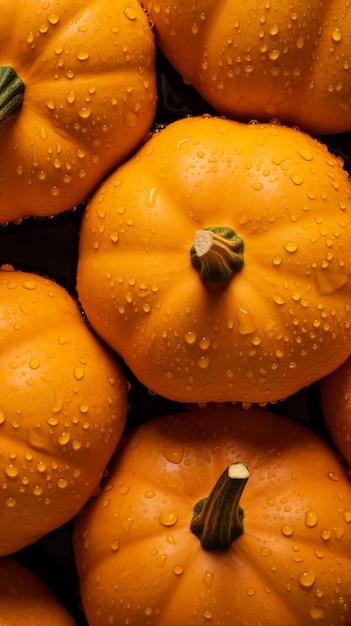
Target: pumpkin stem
(11, 93)
(218, 519)
(217, 253)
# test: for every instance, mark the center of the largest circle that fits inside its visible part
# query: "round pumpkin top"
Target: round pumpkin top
(216, 261)
(77, 95)
(138, 551)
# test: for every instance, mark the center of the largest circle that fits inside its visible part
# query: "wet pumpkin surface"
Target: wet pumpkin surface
(50, 247)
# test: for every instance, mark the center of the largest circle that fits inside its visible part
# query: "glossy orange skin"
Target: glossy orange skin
(335, 398)
(63, 409)
(281, 322)
(257, 60)
(89, 100)
(26, 601)
(140, 564)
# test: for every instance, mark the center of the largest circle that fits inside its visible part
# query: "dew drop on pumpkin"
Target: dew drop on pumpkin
(208, 579)
(177, 570)
(287, 530)
(307, 578)
(203, 361)
(311, 518)
(173, 454)
(127, 523)
(168, 517)
(316, 613)
(251, 591)
(84, 113)
(64, 438)
(190, 337)
(130, 13)
(207, 615)
(115, 546)
(11, 471)
(62, 483)
(10, 502)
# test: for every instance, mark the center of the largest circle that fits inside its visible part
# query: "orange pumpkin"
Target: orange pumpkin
(261, 60)
(165, 543)
(335, 400)
(216, 261)
(77, 95)
(63, 408)
(25, 600)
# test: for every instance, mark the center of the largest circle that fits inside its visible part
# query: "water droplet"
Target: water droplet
(130, 13)
(83, 55)
(115, 546)
(326, 534)
(53, 19)
(78, 373)
(246, 324)
(173, 454)
(41, 467)
(204, 343)
(190, 337)
(290, 246)
(296, 179)
(84, 113)
(307, 578)
(62, 483)
(287, 530)
(127, 523)
(336, 34)
(168, 517)
(203, 361)
(177, 570)
(207, 614)
(11, 471)
(265, 552)
(64, 438)
(311, 518)
(71, 97)
(208, 578)
(316, 613)
(251, 591)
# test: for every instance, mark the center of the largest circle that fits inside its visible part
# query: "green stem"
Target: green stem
(218, 519)
(217, 253)
(11, 93)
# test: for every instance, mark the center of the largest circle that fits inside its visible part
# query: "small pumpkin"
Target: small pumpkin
(214, 515)
(216, 261)
(25, 600)
(77, 95)
(281, 59)
(335, 402)
(63, 408)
